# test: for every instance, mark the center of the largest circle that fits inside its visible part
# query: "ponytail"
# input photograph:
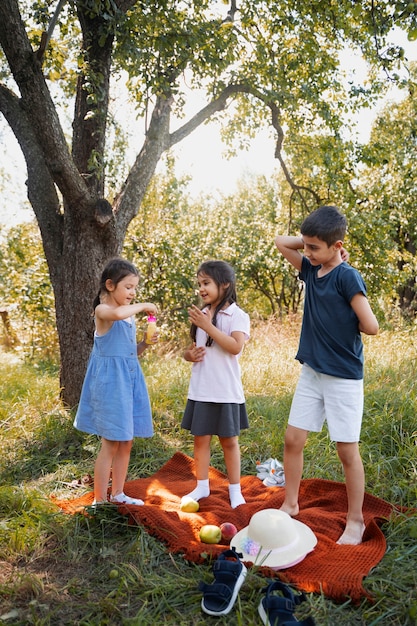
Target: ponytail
(96, 301)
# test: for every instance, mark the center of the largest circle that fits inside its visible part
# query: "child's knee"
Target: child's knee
(229, 443)
(295, 439)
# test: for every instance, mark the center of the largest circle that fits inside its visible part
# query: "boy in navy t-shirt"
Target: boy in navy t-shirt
(330, 387)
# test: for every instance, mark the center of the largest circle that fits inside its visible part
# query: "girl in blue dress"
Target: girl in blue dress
(114, 402)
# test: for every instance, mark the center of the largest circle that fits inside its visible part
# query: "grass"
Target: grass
(57, 569)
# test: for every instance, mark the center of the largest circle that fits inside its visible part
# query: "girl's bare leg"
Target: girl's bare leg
(120, 466)
(102, 469)
(202, 463)
(231, 451)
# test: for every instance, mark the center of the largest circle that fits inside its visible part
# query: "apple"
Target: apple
(229, 530)
(188, 505)
(210, 534)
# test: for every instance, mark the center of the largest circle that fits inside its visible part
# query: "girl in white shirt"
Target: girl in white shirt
(216, 402)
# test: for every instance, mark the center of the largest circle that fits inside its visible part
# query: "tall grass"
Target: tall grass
(57, 569)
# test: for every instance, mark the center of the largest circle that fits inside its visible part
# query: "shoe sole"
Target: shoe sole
(263, 615)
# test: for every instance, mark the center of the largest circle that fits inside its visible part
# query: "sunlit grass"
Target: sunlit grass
(57, 569)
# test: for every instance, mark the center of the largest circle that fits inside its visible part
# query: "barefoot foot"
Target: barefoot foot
(291, 510)
(352, 535)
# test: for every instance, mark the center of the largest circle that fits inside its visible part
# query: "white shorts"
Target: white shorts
(320, 397)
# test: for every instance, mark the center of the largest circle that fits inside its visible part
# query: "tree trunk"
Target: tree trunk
(80, 233)
(84, 255)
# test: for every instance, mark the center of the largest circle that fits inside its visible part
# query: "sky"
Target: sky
(200, 156)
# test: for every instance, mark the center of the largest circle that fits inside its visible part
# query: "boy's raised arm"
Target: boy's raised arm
(290, 247)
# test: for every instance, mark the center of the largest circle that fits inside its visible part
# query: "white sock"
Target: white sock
(235, 494)
(201, 491)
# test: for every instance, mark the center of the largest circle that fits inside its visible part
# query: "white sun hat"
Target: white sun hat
(274, 539)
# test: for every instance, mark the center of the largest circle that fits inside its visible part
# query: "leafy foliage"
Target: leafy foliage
(388, 199)
(27, 293)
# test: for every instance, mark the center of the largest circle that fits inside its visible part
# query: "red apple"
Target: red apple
(228, 531)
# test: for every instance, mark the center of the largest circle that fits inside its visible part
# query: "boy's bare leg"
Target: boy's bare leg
(295, 439)
(355, 486)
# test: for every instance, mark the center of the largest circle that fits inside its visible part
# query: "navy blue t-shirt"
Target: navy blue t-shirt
(330, 340)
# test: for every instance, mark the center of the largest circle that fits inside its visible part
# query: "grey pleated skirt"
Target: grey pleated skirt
(215, 418)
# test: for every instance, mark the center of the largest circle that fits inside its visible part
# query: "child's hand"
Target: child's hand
(195, 355)
(149, 308)
(153, 339)
(200, 319)
(344, 254)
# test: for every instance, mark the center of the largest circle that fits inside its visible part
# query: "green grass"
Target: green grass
(57, 569)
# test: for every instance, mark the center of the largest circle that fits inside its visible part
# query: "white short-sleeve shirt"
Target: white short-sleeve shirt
(218, 377)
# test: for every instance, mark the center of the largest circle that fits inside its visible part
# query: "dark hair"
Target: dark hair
(222, 273)
(115, 270)
(325, 223)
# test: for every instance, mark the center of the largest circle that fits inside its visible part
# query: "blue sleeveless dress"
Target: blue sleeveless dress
(114, 401)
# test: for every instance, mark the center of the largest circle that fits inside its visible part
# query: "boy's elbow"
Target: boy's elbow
(278, 242)
(371, 329)
(375, 327)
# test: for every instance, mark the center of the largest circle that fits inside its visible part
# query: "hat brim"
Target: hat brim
(307, 541)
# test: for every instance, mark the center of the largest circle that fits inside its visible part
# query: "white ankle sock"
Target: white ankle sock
(201, 491)
(122, 498)
(235, 494)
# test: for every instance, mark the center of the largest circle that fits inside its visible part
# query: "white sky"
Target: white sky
(201, 156)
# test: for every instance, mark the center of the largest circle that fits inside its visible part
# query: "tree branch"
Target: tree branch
(46, 36)
(219, 104)
(296, 189)
(41, 189)
(231, 12)
(127, 203)
(37, 102)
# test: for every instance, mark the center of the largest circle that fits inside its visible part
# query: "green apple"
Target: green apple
(210, 534)
(188, 505)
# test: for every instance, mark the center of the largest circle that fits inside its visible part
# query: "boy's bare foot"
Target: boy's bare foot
(352, 535)
(291, 510)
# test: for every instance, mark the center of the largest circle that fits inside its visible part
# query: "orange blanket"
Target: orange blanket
(337, 571)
